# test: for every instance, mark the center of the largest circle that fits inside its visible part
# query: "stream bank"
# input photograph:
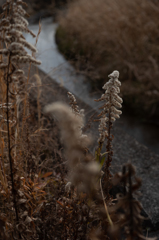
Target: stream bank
(55, 65)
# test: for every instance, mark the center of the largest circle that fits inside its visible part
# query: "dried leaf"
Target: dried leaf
(22, 201)
(47, 174)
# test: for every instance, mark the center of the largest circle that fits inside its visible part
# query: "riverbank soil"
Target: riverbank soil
(97, 43)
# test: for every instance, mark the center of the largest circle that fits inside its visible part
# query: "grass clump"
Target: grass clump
(104, 35)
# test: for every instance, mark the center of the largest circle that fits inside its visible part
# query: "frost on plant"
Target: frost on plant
(11, 33)
(12, 26)
(75, 110)
(109, 114)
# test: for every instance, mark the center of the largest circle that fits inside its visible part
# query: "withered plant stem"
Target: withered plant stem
(25, 99)
(108, 157)
(130, 202)
(105, 206)
(9, 145)
(124, 180)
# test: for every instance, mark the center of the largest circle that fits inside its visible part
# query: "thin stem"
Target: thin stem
(124, 179)
(9, 148)
(130, 202)
(108, 147)
(105, 206)
(107, 173)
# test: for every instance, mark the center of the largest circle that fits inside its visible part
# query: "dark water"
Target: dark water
(55, 65)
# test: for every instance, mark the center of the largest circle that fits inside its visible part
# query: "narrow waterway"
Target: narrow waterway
(55, 65)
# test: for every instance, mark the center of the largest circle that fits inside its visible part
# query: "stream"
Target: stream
(59, 69)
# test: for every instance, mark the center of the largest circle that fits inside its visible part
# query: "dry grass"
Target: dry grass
(37, 201)
(105, 35)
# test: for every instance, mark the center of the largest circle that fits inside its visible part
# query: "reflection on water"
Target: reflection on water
(55, 65)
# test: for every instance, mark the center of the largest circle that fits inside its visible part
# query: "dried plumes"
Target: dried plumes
(112, 102)
(12, 31)
(103, 133)
(82, 170)
(73, 103)
(69, 124)
(12, 26)
(13, 88)
(76, 111)
(108, 115)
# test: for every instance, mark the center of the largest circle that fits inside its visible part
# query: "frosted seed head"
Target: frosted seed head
(103, 96)
(2, 66)
(16, 46)
(115, 111)
(108, 85)
(5, 28)
(112, 100)
(34, 61)
(114, 115)
(73, 103)
(19, 9)
(22, 3)
(102, 129)
(116, 104)
(114, 74)
(101, 138)
(20, 19)
(114, 89)
(19, 72)
(112, 119)
(19, 53)
(117, 83)
(117, 98)
(108, 91)
(105, 86)
(26, 44)
(7, 39)
(15, 33)
(82, 112)
(4, 51)
(4, 22)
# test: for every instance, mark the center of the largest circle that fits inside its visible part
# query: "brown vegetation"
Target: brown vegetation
(45, 192)
(102, 35)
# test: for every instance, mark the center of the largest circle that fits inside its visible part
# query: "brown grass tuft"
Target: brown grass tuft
(108, 34)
